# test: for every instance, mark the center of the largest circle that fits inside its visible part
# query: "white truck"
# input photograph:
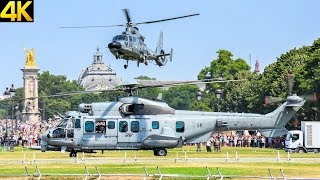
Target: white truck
(306, 140)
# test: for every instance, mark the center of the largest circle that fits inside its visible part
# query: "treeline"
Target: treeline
(240, 96)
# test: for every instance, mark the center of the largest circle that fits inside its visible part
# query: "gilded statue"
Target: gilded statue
(30, 57)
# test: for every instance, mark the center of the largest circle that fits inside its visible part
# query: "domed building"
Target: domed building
(98, 76)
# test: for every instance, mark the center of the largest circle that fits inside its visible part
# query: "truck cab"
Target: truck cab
(294, 141)
(306, 140)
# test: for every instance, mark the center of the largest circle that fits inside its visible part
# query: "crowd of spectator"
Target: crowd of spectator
(233, 139)
(23, 134)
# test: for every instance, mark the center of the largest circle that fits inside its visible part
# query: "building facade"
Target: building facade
(98, 76)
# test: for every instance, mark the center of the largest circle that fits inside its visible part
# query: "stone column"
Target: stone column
(30, 71)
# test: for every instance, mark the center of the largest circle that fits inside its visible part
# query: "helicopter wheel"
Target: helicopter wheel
(138, 64)
(125, 66)
(73, 153)
(160, 152)
(145, 60)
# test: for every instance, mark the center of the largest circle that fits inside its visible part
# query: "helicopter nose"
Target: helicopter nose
(45, 136)
(115, 45)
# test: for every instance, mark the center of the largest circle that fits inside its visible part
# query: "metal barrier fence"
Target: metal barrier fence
(177, 159)
(98, 175)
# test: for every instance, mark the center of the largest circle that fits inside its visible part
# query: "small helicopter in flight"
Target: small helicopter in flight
(136, 123)
(130, 46)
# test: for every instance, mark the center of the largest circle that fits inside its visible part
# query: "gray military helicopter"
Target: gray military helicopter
(135, 123)
(130, 44)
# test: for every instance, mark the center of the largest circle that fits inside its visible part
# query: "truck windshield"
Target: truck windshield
(288, 136)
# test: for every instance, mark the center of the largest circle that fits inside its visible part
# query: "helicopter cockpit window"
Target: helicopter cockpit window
(111, 125)
(58, 133)
(115, 38)
(123, 126)
(122, 38)
(135, 126)
(63, 123)
(134, 39)
(89, 126)
(130, 38)
(70, 133)
(77, 124)
(100, 126)
(180, 126)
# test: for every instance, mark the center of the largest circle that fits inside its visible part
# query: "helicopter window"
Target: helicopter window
(64, 122)
(155, 124)
(70, 133)
(100, 126)
(59, 133)
(135, 126)
(89, 126)
(180, 126)
(141, 42)
(123, 126)
(130, 38)
(111, 125)
(77, 123)
(122, 38)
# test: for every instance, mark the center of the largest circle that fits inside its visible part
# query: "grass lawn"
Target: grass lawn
(290, 169)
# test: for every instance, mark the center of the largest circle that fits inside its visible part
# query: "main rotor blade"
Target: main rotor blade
(169, 19)
(74, 27)
(155, 83)
(126, 13)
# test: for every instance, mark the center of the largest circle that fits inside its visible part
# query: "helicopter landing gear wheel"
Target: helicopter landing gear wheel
(145, 60)
(73, 153)
(160, 152)
(126, 65)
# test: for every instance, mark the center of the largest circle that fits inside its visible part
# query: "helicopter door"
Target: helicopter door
(129, 130)
(88, 134)
(111, 132)
(100, 130)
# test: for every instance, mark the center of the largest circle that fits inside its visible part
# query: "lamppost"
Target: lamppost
(199, 97)
(12, 92)
(17, 114)
(6, 95)
(218, 93)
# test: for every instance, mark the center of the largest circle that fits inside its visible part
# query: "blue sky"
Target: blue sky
(264, 29)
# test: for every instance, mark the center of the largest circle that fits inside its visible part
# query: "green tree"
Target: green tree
(234, 92)
(181, 97)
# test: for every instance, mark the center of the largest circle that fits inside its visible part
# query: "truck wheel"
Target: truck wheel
(300, 150)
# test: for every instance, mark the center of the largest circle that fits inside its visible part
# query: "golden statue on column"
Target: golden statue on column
(30, 57)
